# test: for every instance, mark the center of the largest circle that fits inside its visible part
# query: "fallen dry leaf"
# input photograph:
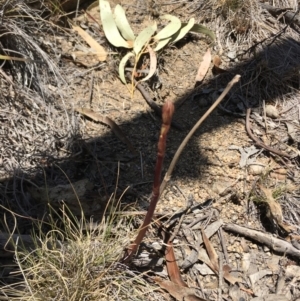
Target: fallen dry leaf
(106, 120)
(98, 50)
(275, 209)
(274, 206)
(211, 252)
(86, 58)
(255, 277)
(226, 274)
(214, 262)
(217, 61)
(172, 267)
(216, 68)
(204, 66)
(180, 293)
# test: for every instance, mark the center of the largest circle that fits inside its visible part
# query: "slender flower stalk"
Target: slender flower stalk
(167, 113)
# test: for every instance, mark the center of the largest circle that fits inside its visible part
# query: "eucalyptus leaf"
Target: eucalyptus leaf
(123, 24)
(153, 63)
(143, 38)
(122, 66)
(170, 29)
(184, 30)
(162, 43)
(109, 26)
(202, 29)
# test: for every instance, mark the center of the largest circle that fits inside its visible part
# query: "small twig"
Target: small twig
(91, 88)
(289, 16)
(193, 130)
(187, 210)
(220, 275)
(265, 117)
(142, 168)
(197, 220)
(248, 195)
(150, 102)
(223, 244)
(260, 143)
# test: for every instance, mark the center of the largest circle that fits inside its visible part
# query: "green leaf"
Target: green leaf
(153, 64)
(162, 43)
(184, 30)
(202, 29)
(170, 29)
(122, 66)
(143, 38)
(123, 24)
(109, 26)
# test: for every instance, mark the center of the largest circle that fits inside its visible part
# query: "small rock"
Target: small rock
(156, 246)
(234, 217)
(271, 112)
(231, 54)
(255, 169)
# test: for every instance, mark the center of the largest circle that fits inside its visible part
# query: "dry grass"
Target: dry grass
(263, 49)
(78, 264)
(35, 122)
(240, 24)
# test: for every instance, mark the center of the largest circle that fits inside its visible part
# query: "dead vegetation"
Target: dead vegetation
(59, 169)
(34, 118)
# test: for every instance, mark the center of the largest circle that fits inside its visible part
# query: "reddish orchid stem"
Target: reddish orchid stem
(167, 113)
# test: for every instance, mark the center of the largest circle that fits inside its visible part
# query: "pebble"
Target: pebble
(256, 169)
(234, 217)
(157, 246)
(271, 112)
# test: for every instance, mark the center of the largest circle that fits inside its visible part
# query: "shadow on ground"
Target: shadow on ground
(105, 165)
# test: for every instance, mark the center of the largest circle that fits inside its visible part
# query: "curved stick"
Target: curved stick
(193, 130)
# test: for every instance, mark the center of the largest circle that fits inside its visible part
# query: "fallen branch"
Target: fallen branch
(275, 244)
(193, 130)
